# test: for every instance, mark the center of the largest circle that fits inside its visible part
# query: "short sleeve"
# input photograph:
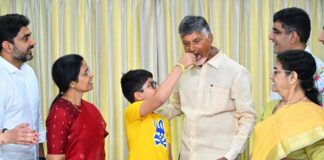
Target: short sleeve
(58, 129)
(132, 112)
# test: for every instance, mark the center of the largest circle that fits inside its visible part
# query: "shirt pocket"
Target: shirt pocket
(219, 99)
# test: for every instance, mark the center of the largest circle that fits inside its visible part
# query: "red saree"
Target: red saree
(77, 134)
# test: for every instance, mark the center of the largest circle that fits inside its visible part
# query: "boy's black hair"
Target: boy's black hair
(133, 81)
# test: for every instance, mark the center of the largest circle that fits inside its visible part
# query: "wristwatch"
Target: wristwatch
(4, 130)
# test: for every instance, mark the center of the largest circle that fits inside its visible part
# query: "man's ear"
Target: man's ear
(294, 37)
(210, 37)
(138, 96)
(7, 46)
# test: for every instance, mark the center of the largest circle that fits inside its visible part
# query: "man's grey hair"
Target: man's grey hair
(190, 24)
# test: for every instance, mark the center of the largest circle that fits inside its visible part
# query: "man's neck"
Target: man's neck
(300, 46)
(11, 60)
(213, 51)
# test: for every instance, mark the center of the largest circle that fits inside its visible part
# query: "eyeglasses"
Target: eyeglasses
(276, 71)
(152, 84)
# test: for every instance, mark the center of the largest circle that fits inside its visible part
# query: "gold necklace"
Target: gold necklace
(76, 107)
(285, 103)
(66, 98)
(299, 99)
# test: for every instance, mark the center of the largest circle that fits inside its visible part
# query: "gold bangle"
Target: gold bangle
(181, 66)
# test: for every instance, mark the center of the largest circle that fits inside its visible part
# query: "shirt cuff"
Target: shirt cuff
(236, 147)
(42, 137)
(230, 155)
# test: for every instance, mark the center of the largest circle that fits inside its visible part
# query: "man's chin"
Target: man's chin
(276, 51)
(29, 57)
(201, 61)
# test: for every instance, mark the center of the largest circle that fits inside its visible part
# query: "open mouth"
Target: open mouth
(199, 59)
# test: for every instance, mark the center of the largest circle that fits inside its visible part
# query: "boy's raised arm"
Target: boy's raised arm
(165, 89)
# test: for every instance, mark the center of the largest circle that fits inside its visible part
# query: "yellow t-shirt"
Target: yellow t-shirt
(147, 137)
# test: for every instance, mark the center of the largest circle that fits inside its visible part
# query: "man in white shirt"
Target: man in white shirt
(291, 30)
(214, 96)
(19, 92)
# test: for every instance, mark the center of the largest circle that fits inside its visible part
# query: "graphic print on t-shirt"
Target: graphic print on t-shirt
(159, 136)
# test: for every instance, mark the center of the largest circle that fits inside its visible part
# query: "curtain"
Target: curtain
(115, 36)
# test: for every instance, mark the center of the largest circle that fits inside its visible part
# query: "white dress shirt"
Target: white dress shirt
(19, 103)
(216, 102)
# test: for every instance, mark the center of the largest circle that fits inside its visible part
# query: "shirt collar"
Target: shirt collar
(307, 49)
(8, 66)
(216, 60)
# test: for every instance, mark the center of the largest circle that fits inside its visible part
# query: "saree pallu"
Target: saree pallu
(291, 129)
(78, 135)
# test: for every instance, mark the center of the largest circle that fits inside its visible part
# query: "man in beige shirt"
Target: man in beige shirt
(214, 96)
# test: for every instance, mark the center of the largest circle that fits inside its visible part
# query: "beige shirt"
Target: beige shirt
(218, 111)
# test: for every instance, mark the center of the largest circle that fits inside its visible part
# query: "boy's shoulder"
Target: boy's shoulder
(134, 104)
(133, 108)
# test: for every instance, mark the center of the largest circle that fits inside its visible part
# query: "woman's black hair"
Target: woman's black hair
(65, 70)
(304, 65)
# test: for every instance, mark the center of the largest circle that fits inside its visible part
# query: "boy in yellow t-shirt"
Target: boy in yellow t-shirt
(148, 134)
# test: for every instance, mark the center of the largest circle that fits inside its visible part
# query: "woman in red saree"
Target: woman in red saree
(75, 127)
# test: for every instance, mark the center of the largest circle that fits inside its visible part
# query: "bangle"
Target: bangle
(4, 130)
(181, 66)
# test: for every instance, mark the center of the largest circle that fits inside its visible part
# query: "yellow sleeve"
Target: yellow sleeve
(132, 112)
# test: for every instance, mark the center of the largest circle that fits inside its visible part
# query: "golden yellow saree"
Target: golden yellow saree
(296, 128)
